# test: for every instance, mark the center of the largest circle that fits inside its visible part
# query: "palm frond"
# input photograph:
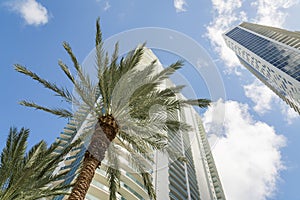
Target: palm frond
(55, 158)
(202, 103)
(157, 141)
(113, 173)
(132, 59)
(167, 72)
(114, 80)
(62, 92)
(135, 146)
(75, 62)
(128, 89)
(112, 76)
(66, 70)
(12, 155)
(137, 161)
(175, 126)
(147, 178)
(174, 154)
(88, 95)
(33, 154)
(142, 106)
(84, 79)
(56, 111)
(171, 91)
(102, 71)
(98, 33)
(101, 60)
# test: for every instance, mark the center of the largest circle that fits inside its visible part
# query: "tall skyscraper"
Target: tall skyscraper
(272, 55)
(195, 179)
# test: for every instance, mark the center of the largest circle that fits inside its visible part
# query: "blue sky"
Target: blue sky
(256, 150)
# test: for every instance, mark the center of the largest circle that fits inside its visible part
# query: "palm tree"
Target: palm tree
(29, 176)
(120, 102)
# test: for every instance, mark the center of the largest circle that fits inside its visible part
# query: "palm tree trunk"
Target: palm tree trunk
(85, 177)
(105, 131)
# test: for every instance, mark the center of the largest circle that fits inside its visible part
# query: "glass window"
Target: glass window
(281, 57)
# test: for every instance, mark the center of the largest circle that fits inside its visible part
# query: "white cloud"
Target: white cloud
(107, 6)
(261, 95)
(180, 5)
(248, 156)
(31, 11)
(289, 114)
(272, 13)
(227, 14)
(266, 100)
(224, 7)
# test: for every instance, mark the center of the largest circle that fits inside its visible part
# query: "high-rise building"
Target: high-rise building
(195, 179)
(272, 55)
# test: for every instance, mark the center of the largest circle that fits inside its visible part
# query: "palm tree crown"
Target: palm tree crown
(29, 176)
(120, 104)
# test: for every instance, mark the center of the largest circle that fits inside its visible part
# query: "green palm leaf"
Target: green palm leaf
(30, 175)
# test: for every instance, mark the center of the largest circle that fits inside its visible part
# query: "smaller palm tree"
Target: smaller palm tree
(29, 175)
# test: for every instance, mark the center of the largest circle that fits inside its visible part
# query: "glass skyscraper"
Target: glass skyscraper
(195, 179)
(272, 55)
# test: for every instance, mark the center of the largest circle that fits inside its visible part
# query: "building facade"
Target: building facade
(195, 179)
(272, 55)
